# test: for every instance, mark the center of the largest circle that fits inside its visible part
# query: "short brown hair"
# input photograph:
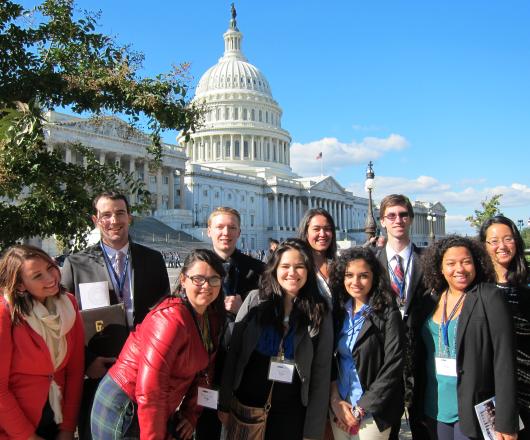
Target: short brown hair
(395, 200)
(224, 210)
(10, 276)
(112, 195)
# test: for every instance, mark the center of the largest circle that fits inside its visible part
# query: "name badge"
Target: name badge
(208, 397)
(281, 370)
(445, 366)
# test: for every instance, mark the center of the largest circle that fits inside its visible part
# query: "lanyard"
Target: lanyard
(401, 285)
(446, 319)
(120, 281)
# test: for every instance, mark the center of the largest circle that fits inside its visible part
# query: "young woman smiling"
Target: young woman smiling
(367, 390)
(317, 229)
(42, 340)
(505, 246)
(465, 344)
(285, 326)
(165, 359)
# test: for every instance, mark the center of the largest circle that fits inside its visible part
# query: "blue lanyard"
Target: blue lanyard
(401, 285)
(120, 282)
(447, 319)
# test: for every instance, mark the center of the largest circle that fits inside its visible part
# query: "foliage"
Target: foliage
(50, 57)
(525, 233)
(490, 208)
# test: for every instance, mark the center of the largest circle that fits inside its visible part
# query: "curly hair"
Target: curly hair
(308, 305)
(304, 226)
(518, 271)
(433, 257)
(380, 294)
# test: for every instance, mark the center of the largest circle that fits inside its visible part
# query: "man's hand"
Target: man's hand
(343, 416)
(185, 429)
(233, 303)
(99, 367)
(502, 436)
(223, 417)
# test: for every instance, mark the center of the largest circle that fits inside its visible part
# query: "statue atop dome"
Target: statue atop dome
(233, 22)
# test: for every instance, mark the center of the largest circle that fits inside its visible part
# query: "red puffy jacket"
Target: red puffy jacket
(157, 368)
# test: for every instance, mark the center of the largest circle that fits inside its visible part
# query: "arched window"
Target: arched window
(252, 115)
(245, 114)
(236, 113)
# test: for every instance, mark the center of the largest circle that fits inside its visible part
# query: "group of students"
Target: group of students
(326, 344)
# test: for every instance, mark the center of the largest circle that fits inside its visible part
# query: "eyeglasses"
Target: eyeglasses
(392, 216)
(496, 242)
(199, 280)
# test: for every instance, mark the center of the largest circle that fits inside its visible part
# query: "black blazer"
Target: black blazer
(247, 270)
(150, 281)
(378, 355)
(485, 358)
(416, 288)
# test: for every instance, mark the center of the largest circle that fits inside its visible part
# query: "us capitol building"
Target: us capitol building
(239, 157)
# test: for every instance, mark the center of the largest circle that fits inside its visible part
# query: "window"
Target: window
(260, 116)
(227, 113)
(205, 193)
(229, 197)
(252, 115)
(217, 113)
(152, 179)
(236, 114)
(216, 194)
(242, 198)
(236, 148)
(245, 114)
(251, 220)
(165, 180)
(217, 149)
(255, 149)
(227, 148)
(251, 199)
(266, 116)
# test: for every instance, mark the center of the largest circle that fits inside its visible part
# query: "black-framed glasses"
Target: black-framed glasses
(495, 242)
(393, 216)
(199, 280)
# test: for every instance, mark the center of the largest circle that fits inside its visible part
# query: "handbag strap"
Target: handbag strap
(280, 353)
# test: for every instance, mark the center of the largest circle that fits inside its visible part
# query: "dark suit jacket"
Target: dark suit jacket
(378, 355)
(149, 276)
(416, 288)
(485, 358)
(247, 270)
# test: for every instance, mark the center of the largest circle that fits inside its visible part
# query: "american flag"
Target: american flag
(319, 156)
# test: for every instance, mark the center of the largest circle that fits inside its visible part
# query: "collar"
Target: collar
(404, 254)
(111, 252)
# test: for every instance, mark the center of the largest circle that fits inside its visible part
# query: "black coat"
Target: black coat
(485, 358)
(378, 356)
(245, 272)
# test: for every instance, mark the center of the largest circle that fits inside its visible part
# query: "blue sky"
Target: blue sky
(437, 94)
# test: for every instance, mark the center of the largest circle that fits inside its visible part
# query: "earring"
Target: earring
(21, 293)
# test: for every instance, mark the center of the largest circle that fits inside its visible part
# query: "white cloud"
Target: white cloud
(336, 154)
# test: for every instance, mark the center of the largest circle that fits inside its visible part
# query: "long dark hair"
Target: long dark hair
(433, 256)
(309, 306)
(214, 261)
(304, 226)
(518, 268)
(380, 294)
(10, 277)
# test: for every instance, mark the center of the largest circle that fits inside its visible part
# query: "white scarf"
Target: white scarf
(52, 321)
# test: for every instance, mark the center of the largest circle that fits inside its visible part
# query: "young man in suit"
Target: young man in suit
(402, 259)
(243, 273)
(142, 282)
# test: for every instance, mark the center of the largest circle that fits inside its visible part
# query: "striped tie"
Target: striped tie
(398, 278)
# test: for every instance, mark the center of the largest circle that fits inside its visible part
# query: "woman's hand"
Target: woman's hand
(223, 417)
(502, 436)
(185, 429)
(343, 417)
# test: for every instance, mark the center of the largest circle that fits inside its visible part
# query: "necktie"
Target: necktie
(226, 279)
(119, 267)
(398, 278)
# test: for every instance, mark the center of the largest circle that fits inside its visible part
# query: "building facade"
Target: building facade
(240, 157)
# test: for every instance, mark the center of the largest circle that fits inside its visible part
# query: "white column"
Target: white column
(171, 191)
(182, 192)
(231, 147)
(252, 155)
(159, 188)
(282, 210)
(68, 155)
(146, 174)
(288, 204)
(242, 146)
(275, 213)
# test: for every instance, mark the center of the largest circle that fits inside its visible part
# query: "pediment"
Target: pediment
(328, 184)
(109, 126)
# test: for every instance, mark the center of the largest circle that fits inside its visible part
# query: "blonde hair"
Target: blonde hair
(224, 210)
(10, 277)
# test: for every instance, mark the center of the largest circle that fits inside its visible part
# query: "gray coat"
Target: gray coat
(312, 361)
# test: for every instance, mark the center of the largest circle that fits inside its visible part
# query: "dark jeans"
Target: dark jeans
(208, 425)
(47, 428)
(445, 431)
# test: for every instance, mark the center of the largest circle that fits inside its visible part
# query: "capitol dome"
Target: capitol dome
(242, 129)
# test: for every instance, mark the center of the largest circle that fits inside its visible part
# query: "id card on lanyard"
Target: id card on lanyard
(118, 280)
